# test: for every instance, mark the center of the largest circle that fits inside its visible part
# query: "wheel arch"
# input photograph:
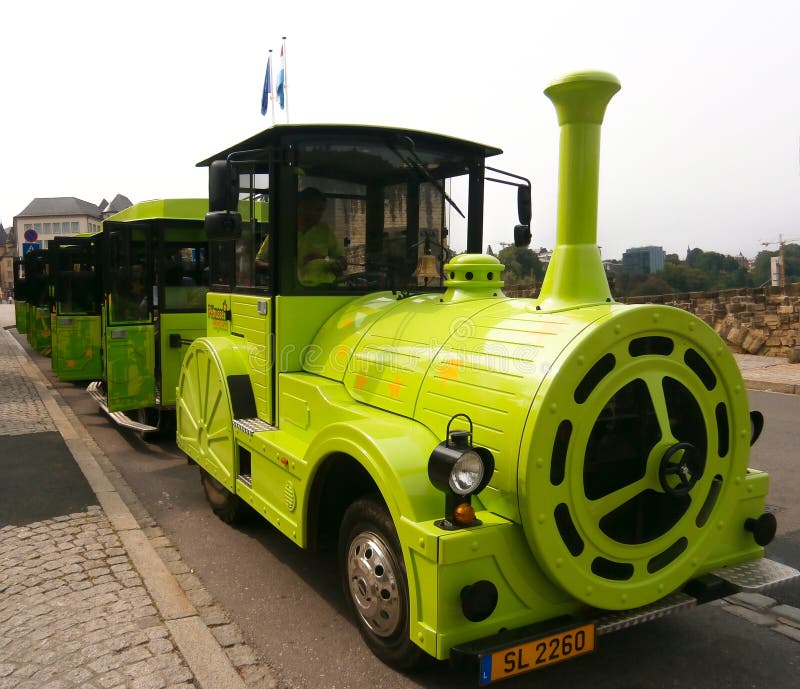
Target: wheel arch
(369, 456)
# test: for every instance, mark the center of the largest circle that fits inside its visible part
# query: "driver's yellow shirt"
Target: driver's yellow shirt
(314, 247)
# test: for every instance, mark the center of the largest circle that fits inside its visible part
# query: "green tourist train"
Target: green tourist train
(505, 479)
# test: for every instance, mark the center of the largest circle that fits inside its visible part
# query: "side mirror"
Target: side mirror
(524, 205)
(223, 187)
(522, 236)
(223, 225)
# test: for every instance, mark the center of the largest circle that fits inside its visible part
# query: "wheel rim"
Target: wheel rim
(372, 575)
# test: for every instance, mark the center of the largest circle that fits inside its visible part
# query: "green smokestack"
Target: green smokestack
(575, 276)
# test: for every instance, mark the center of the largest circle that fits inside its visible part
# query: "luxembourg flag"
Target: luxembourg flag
(282, 85)
(266, 94)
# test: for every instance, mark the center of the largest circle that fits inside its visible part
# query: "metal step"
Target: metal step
(247, 479)
(118, 417)
(614, 621)
(758, 575)
(251, 426)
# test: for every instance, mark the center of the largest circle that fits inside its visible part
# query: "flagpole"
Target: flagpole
(285, 78)
(271, 90)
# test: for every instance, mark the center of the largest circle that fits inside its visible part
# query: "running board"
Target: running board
(251, 426)
(758, 575)
(614, 621)
(118, 417)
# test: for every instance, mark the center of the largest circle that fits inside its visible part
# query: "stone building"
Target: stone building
(46, 218)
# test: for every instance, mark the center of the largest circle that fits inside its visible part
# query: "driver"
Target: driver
(320, 257)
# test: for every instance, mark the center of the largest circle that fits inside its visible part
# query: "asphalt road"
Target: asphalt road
(289, 606)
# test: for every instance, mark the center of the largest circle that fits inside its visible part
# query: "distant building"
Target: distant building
(7, 253)
(46, 218)
(544, 255)
(643, 260)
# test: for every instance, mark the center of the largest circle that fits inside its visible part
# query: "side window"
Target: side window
(222, 264)
(331, 231)
(185, 277)
(252, 250)
(129, 280)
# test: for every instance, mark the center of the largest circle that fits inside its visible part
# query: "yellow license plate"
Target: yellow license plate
(536, 654)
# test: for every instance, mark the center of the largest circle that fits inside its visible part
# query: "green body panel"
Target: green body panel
(298, 319)
(130, 367)
(77, 347)
(21, 316)
(250, 320)
(185, 327)
(39, 329)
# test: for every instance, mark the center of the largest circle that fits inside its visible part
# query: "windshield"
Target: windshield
(352, 213)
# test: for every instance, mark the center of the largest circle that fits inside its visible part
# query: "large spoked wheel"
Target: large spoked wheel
(228, 507)
(204, 417)
(375, 584)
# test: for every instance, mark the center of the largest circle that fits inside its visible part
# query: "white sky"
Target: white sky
(700, 148)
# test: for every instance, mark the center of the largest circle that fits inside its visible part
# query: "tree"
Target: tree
(722, 271)
(654, 284)
(684, 278)
(522, 265)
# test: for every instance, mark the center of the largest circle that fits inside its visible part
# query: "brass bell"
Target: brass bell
(426, 268)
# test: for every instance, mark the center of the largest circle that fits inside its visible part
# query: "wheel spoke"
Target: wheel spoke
(656, 390)
(608, 503)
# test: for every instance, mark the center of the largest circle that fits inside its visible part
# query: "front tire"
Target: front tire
(228, 507)
(375, 584)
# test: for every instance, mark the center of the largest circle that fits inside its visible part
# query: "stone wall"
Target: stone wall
(761, 320)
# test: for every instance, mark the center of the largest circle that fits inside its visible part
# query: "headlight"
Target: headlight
(460, 470)
(467, 473)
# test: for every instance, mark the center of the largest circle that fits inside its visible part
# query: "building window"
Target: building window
(46, 227)
(37, 226)
(56, 228)
(74, 228)
(28, 226)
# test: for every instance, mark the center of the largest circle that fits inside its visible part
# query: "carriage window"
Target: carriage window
(130, 280)
(186, 277)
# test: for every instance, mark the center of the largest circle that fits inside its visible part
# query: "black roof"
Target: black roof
(272, 137)
(61, 205)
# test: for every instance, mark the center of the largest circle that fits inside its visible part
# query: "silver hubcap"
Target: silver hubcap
(373, 583)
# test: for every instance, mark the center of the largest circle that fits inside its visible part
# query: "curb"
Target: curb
(772, 386)
(204, 654)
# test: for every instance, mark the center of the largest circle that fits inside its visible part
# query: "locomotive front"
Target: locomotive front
(633, 473)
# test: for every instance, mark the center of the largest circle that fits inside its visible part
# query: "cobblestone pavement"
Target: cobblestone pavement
(100, 599)
(765, 612)
(75, 613)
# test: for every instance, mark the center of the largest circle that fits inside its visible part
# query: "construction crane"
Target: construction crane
(782, 241)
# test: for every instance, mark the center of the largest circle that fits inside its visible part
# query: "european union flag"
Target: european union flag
(267, 92)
